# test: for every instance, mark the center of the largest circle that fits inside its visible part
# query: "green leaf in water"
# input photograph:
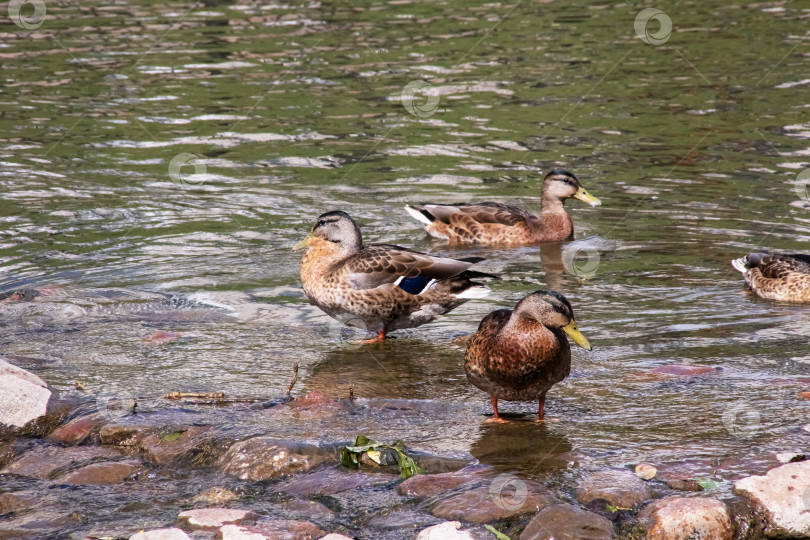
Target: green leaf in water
(708, 483)
(169, 437)
(350, 455)
(499, 535)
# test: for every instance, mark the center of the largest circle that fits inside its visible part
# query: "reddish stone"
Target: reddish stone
(123, 435)
(11, 502)
(276, 529)
(262, 458)
(160, 337)
(804, 395)
(430, 485)
(619, 487)
(76, 431)
(331, 481)
(562, 521)
(211, 519)
(494, 502)
(682, 518)
(42, 462)
(158, 450)
(102, 474)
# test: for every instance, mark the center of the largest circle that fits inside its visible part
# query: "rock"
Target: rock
(681, 370)
(161, 534)
(401, 519)
(449, 530)
(42, 462)
(12, 502)
(123, 434)
(275, 529)
(263, 458)
(211, 519)
(567, 522)
(436, 464)
(619, 487)
(430, 485)
(309, 509)
(335, 536)
(164, 447)
(504, 497)
(645, 471)
(784, 495)
(76, 431)
(102, 474)
(790, 457)
(215, 495)
(687, 518)
(25, 396)
(804, 396)
(160, 337)
(683, 484)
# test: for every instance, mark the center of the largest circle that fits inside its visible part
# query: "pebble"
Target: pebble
(645, 471)
(211, 519)
(263, 458)
(687, 518)
(561, 521)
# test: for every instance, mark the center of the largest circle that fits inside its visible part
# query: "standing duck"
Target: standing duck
(496, 223)
(777, 277)
(380, 287)
(518, 355)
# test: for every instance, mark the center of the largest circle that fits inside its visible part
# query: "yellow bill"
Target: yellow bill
(303, 243)
(574, 333)
(584, 196)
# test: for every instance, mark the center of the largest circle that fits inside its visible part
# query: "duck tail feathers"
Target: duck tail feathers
(420, 215)
(476, 291)
(740, 264)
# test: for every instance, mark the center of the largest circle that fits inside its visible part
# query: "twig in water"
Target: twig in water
(294, 379)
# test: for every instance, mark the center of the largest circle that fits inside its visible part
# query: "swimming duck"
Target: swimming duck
(778, 276)
(496, 223)
(380, 287)
(518, 355)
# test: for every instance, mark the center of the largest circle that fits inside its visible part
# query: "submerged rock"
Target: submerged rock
(500, 499)
(77, 430)
(784, 496)
(215, 495)
(685, 518)
(430, 485)
(263, 458)
(123, 434)
(42, 462)
(102, 474)
(25, 396)
(161, 534)
(274, 529)
(567, 522)
(619, 487)
(211, 519)
(13, 502)
(172, 445)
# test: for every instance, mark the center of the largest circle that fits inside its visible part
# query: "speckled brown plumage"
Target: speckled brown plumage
(361, 284)
(496, 223)
(518, 355)
(777, 276)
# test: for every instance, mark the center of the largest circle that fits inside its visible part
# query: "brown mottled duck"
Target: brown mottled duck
(518, 355)
(496, 223)
(380, 287)
(777, 276)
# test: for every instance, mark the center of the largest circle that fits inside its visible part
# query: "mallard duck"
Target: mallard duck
(380, 287)
(496, 223)
(778, 276)
(518, 355)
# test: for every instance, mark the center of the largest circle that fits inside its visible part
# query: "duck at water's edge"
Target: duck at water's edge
(777, 277)
(496, 223)
(518, 355)
(380, 287)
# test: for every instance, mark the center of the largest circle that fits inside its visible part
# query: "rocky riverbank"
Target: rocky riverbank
(70, 469)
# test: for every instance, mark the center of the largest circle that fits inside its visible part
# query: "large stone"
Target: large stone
(102, 474)
(77, 430)
(430, 485)
(161, 534)
(685, 518)
(331, 481)
(784, 495)
(12, 502)
(123, 434)
(500, 499)
(25, 396)
(171, 447)
(274, 529)
(44, 461)
(619, 487)
(263, 458)
(449, 530)
(211, 519)
(567, 522)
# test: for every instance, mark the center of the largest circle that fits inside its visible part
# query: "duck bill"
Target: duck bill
(303, 243)
(574, 333)
(584, 196)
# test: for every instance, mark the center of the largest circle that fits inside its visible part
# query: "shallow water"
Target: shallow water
(159, 162)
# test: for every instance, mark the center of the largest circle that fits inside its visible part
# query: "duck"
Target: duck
(381, 287)
(519, 354)
(784, 277)
(496, 223)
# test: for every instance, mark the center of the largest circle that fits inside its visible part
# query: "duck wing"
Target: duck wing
(381, 264)
(485, 212)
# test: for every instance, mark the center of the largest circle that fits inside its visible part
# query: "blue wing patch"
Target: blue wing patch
(415, 285)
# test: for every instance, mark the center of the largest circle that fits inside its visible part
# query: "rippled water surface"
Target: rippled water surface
(158, 161)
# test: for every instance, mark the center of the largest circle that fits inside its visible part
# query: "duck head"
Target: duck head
(562, 184)
(554, 311)
(338, 229)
